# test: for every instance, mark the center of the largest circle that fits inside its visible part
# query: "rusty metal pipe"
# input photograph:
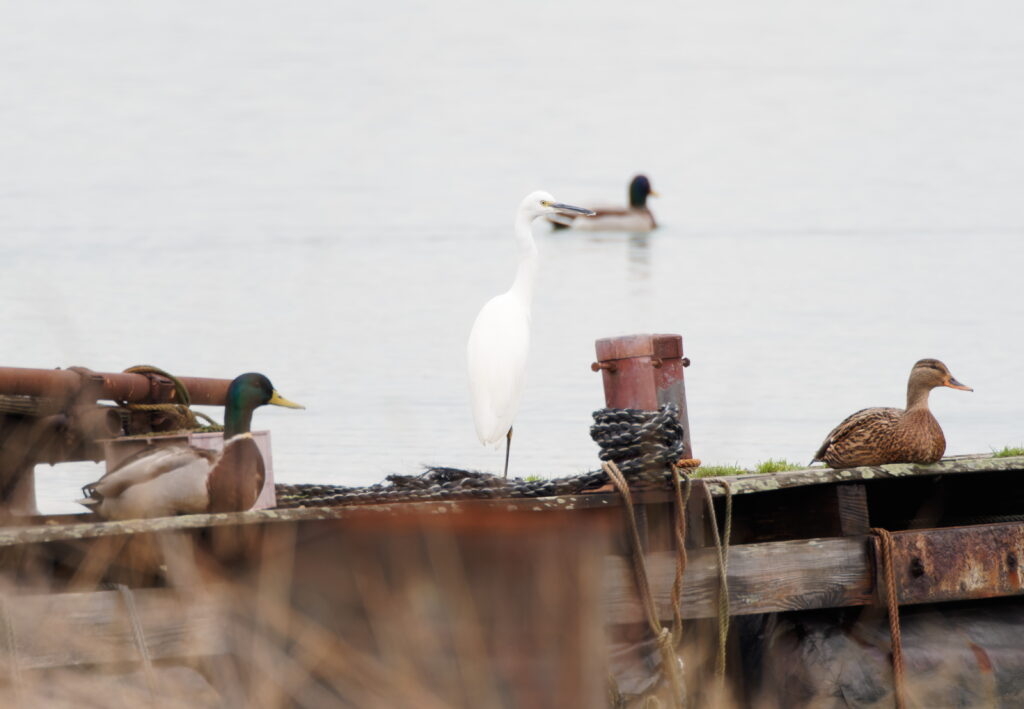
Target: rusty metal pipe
(132, 388)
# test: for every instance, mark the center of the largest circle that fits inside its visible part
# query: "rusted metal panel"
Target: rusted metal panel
(959, 563)
(644, 372)
(119, 386)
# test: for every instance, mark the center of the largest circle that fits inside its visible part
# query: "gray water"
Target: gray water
(324, 192)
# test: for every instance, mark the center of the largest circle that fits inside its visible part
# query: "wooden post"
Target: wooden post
(644, 372)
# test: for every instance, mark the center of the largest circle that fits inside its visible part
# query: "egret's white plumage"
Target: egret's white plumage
(499, 342)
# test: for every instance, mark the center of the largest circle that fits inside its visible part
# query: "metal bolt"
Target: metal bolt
(686, 361)
(598, 366)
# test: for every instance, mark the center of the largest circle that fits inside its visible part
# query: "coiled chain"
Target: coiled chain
(644, 444)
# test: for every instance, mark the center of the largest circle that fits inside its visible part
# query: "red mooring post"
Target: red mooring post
(644, 372)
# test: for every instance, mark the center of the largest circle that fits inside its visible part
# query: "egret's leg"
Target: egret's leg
(508, 445)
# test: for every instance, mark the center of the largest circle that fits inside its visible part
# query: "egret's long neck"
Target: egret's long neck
(526, 274)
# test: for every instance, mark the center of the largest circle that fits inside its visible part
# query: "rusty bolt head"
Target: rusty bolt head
(598, 366)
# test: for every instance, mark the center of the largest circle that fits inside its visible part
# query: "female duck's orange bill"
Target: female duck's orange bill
(952, 383)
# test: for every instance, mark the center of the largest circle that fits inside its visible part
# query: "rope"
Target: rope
(638, 441)
(22, 405)
(669, 659)
(722, 547)
(886, 546)
(139, 637)
(186, 417)
(11, 646)
(681, 499)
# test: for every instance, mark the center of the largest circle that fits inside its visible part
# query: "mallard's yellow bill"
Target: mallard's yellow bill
(278, 400)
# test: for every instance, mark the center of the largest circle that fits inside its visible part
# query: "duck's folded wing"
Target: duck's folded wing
(237, 479)
(857, 424)
(146, 466)
(608, 211)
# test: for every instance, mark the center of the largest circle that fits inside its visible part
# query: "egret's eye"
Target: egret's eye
(545, 203)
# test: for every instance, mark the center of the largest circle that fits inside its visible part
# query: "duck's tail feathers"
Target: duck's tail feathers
(92, 496)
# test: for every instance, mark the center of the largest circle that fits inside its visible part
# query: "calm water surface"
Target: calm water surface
(325, 195)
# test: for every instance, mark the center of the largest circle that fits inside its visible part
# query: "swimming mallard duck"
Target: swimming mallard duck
(635, 217)
(180, 479)
(888, 435)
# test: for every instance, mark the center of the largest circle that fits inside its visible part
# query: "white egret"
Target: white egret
(636, 217)
(500, 339)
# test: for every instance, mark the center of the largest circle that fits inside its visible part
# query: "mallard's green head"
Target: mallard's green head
(245, 393)
(639, 188)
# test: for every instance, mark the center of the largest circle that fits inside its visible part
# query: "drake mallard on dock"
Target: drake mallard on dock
(636, 217)
(882, 435)
(180, 479)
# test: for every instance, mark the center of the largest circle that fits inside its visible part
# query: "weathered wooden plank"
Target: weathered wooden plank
(741, 485)
(852, 509)
(932, 566)
(17, 535)
(67, 629)
(763, 578)
(747, 484)
(697, 524)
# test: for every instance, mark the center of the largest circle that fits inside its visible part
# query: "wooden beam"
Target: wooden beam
(763, 578)
(851, 506)
(932, 566)
(754, 483)
(64, 629)
(19, 532)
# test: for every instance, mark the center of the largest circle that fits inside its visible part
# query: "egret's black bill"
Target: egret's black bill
(570, 208)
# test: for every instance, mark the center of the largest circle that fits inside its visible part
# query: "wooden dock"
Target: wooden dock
(500, 602)
(565, 601)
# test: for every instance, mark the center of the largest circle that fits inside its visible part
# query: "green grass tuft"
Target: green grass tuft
(776, 466)
(1007, 452)
(718, 471)
(767, 466)
(533, 478)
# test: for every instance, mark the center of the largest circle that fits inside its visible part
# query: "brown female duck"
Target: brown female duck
(888, 435)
